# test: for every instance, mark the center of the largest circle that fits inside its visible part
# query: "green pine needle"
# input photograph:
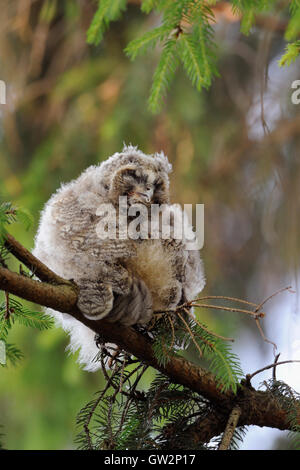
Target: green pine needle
(186, 31)
(108, 10)
(33, 319)
(149, 39)
(13, 354)
(191, 59)
(149, 5)
(163, 75)
(292, 51)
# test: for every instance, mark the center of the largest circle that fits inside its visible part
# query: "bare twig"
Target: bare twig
(172, 328)
(274, 369)
(271, 296)
(206, 329)
(264, 337)
(270, 366)
(225, 297)
(90, 415)
(230, 309)
(230, 427)
(7, 309)
(191, 333)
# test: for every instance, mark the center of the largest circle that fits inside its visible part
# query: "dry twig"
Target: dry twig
(230, 427)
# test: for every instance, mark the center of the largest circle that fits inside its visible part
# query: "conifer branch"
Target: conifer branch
(257, 407)
(31, 262)
(230, 427)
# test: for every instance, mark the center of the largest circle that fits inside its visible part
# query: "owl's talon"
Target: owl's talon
(133, 308)
(95, 300)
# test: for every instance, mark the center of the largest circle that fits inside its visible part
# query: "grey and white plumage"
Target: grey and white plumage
(120, 280)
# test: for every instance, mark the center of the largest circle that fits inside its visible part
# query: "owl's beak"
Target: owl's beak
(143, 197)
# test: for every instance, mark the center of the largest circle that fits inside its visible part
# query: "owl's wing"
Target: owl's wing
(67, 239)
(77, 225)
(187, 263)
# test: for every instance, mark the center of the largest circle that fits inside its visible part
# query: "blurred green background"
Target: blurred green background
(70, 105)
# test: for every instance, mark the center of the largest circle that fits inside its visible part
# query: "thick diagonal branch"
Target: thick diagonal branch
(257, 407)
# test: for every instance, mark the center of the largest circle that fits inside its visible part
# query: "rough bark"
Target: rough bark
(257, 407)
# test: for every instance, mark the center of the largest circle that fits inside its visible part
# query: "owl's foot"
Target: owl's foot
(133, 308)
(119, 278)
(95, 299)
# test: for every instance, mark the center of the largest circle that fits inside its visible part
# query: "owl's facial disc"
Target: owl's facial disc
(136, 184)
(140, 185)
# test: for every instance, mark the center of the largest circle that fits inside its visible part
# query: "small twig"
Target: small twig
(173, 331)
(231, 309)
(274, 369)
(155, 401)
(7, 309)
(191, 333)
(206, 329)
(90, 415)
(123, 392)
(225, 297)
(196, 335)
(113, 357)
(2, 262)
(230, 428)
(271, 296)
(271, 366)
(264, 337)
(131, 396)
(103, 367)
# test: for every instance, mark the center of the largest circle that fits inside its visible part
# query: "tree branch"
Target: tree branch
(31, 262)
(257, 407)
(230, 427)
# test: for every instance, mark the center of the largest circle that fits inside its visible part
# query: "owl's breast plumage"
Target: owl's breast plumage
(154, 262)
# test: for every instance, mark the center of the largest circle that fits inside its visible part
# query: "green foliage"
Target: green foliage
(291, 54)
(121, 417)
(248, 9)
(222, 362)
(290, 401)
(293, 29)
(149, 5)
(11, 310)
(292, 33)
(24, 217)
(236, 440)
(28, 317)
(186, 35)
(90, 102)
(13, 354)
(7, 216)
(238, 437)
(163, 75)
(151, 419)
(149, 39)
(108, 11)
(191, 44)
(10, 214)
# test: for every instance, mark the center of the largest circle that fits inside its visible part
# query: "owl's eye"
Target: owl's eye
(129, 173)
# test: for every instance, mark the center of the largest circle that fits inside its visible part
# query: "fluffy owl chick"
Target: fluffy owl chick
(121, 278)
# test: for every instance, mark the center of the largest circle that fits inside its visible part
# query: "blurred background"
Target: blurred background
(234, 148)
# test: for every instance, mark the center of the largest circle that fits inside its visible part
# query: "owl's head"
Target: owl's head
(142, 178)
